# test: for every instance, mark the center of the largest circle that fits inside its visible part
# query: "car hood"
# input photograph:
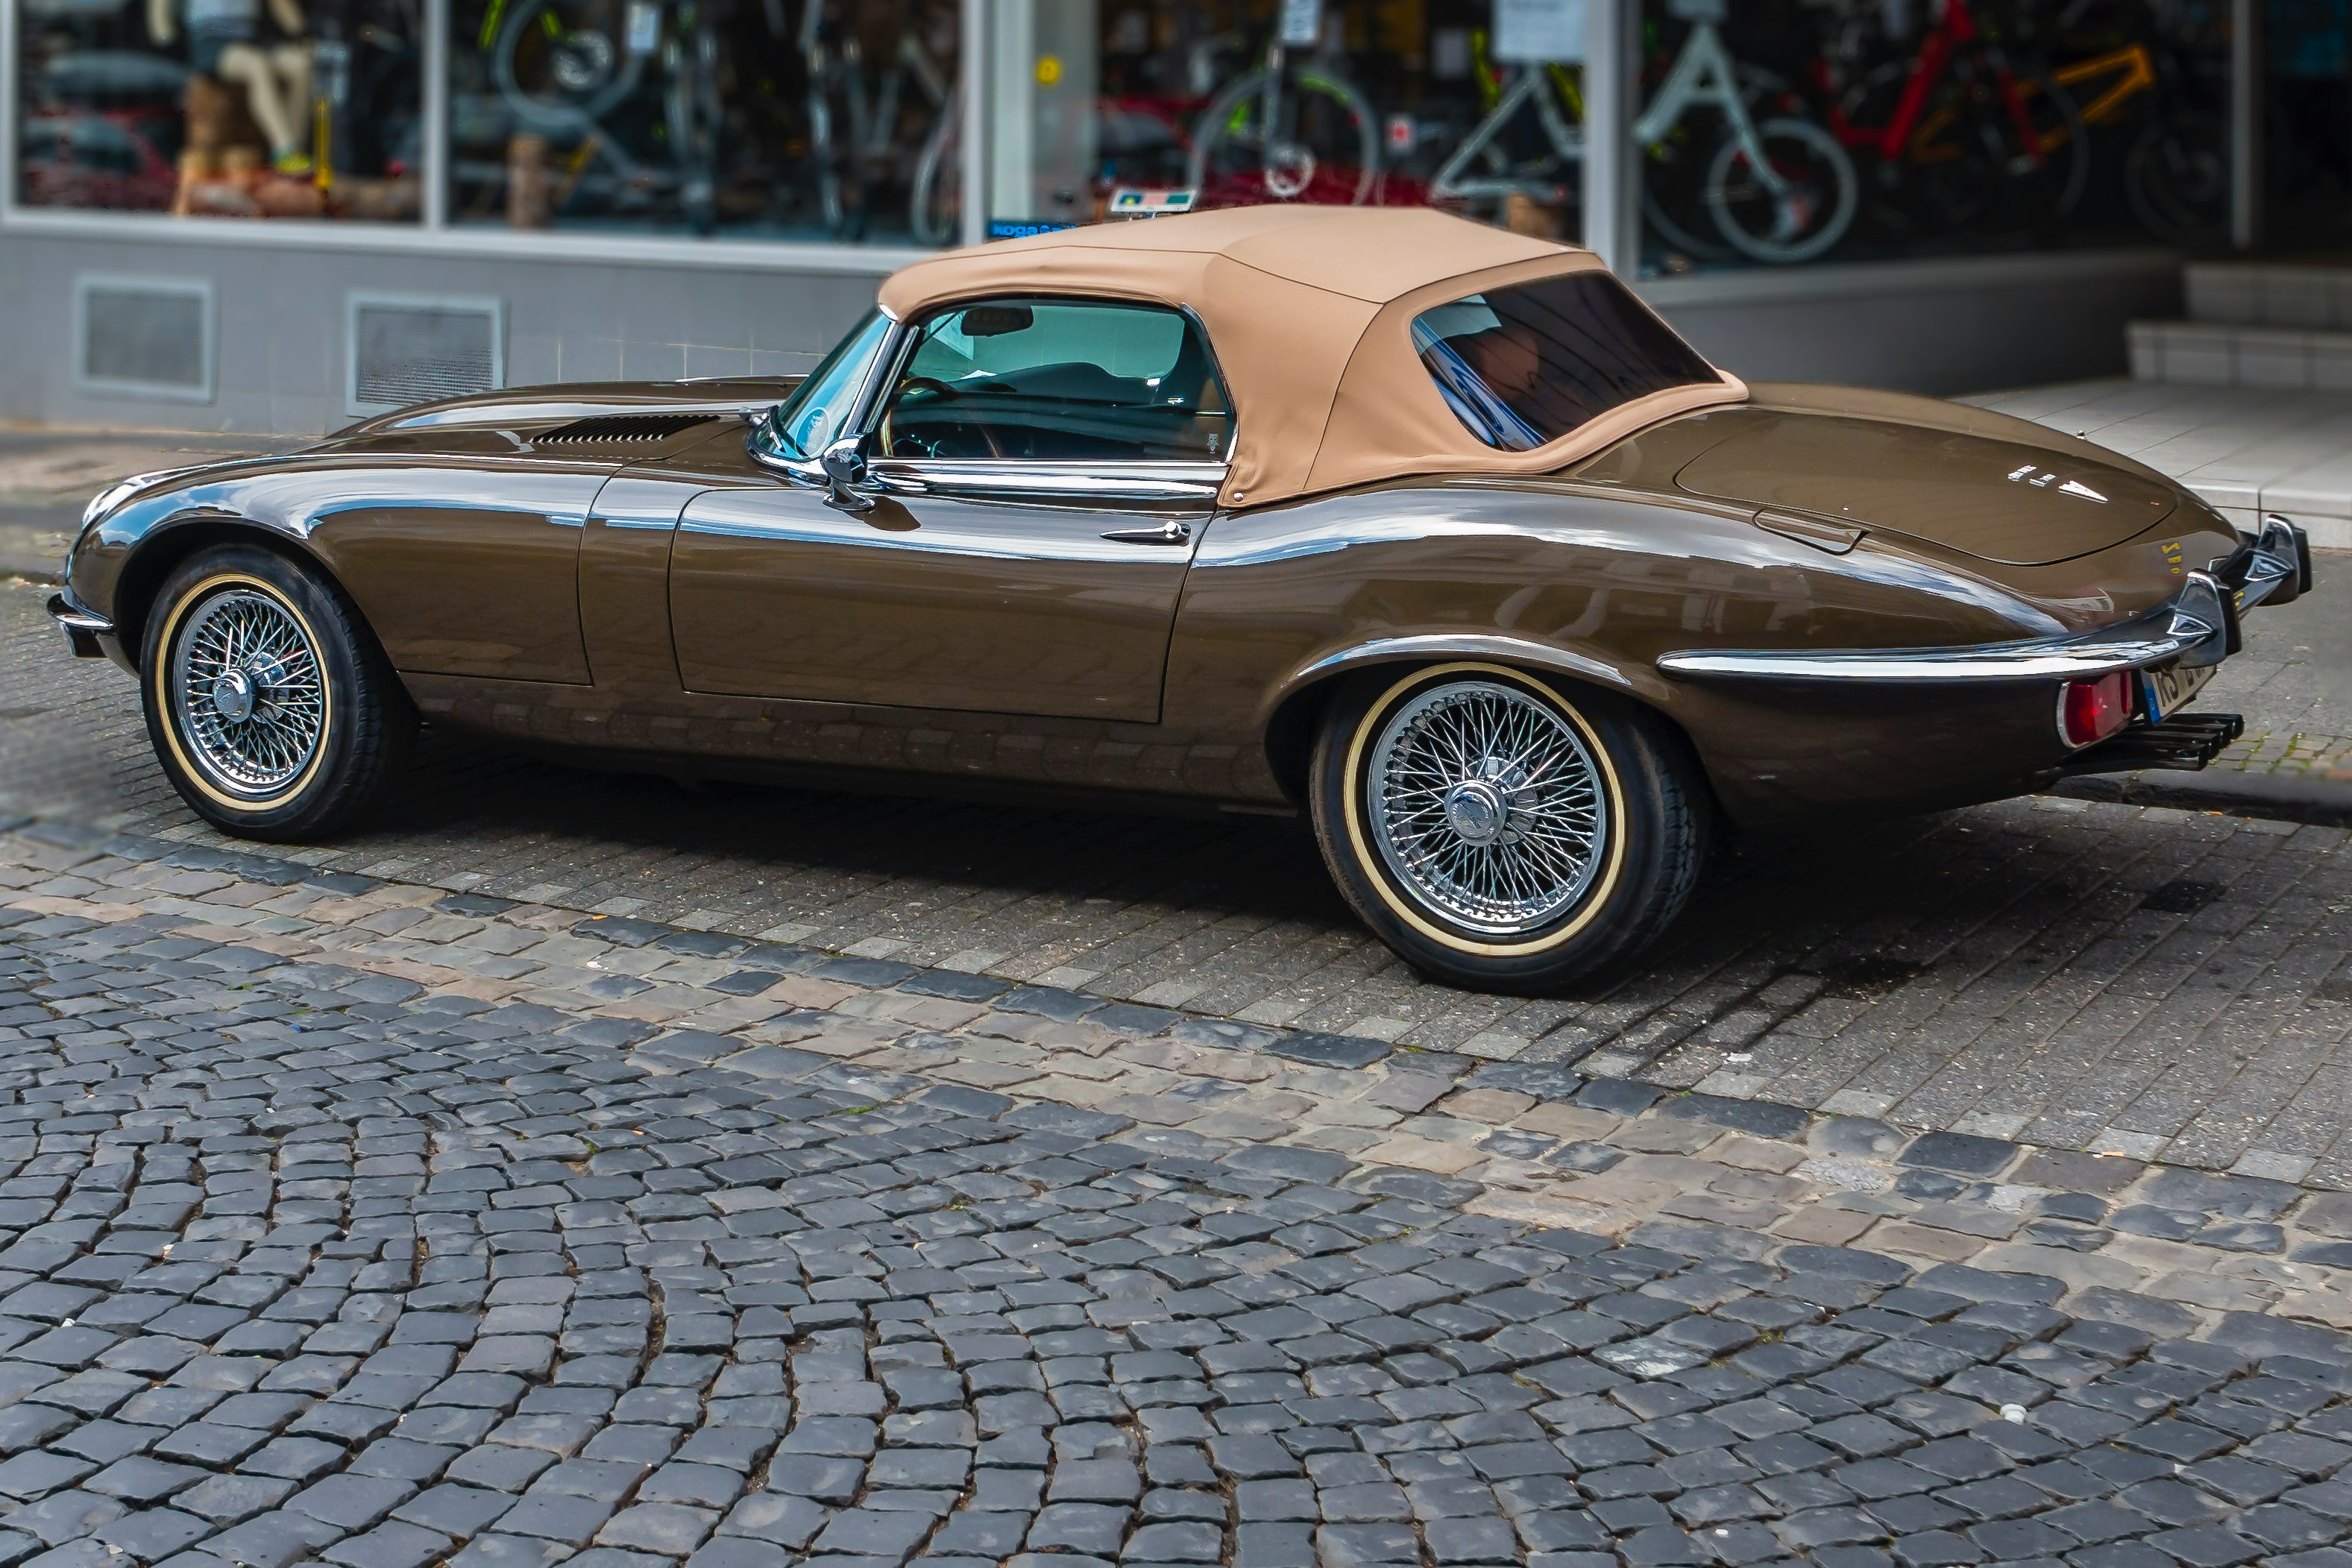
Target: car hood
(586, 422)
(1983, 492)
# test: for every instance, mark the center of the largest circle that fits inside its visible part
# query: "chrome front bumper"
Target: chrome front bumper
(83, 627)
(2197, 627)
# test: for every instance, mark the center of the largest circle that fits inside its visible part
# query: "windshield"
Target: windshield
(809, 421)
(1525, 365)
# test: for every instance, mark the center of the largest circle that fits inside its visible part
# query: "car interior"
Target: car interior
(1058, 381)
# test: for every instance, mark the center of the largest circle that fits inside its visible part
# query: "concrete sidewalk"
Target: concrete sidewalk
(2293, 683)
(2246, 450)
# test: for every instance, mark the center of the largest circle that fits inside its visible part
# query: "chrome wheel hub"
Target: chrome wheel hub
(248, 696)
(1487, 807)
(232, 696)
(1477, 810)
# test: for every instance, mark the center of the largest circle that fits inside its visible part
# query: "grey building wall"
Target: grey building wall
(1944, 326)
(280, 354)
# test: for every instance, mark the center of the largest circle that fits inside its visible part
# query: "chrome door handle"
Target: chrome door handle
(1165, 534)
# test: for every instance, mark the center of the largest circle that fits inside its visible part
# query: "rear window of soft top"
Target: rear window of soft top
(1526, 365)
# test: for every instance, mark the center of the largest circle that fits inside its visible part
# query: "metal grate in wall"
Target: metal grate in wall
(404, 350)
(143, 337)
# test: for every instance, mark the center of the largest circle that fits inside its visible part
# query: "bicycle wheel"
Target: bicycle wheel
(2057, 120)
(935, 208)
(562, 64)
(1974, 163)
(1808, 214)
(1323, 145)
(2176, 178)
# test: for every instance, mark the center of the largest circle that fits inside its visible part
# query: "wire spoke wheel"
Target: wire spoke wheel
(1487, 807)
(247, 693)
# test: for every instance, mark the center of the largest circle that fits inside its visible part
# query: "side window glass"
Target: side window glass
(1056, 381)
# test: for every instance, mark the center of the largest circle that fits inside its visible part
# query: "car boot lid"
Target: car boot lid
(1976, 493)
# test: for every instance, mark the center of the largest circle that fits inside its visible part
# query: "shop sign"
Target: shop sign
(1531, 32)
(1023, 228)
(1132, 201)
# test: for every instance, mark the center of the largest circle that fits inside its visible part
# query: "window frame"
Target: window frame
(1106, 482)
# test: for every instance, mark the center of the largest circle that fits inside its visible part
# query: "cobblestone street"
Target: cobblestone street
(388, 1254)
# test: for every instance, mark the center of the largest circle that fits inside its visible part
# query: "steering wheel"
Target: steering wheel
(889, 432)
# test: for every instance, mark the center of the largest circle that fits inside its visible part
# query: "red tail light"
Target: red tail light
(2091, 711)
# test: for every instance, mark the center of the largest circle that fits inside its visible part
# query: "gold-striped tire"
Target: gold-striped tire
(268, 702)
(1502, 830)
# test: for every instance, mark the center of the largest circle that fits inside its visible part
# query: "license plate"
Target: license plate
(2168, 691)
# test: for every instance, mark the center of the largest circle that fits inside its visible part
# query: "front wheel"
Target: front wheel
(268, 702)
(1500, 834)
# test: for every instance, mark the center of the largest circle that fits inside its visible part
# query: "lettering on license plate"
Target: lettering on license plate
(2168, 691)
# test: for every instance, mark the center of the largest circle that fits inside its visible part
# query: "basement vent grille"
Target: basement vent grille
(144, 337)
(610, 429)
(402, 351)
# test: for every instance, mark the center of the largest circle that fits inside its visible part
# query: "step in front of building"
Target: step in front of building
(2306, 294)
(2201, 353)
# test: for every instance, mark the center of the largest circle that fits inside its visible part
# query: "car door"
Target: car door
(1037, 475)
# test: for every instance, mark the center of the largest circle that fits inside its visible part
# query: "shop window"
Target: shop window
(257, 108)
(1777, 131)
(1112, 106)
(1768, 133)
(803, 119)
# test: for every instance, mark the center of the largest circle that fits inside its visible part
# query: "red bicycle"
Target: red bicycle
(1961, 136)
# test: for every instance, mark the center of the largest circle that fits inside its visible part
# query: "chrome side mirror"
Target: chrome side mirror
(845, 468)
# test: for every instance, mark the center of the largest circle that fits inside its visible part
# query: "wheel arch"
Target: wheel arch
(161, 552)
(1295, 712)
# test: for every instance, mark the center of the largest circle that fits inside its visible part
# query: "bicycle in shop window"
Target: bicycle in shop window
(1778, 189)
(2154, 71)
(570, 73)
(1294, 129)
(859, 127)
(1963, 132)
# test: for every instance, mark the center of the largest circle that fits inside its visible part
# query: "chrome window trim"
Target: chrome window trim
(2192, 627)
(758, 440)
(1016, 477)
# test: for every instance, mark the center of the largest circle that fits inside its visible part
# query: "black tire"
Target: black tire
(1590, 753)
(325, 721)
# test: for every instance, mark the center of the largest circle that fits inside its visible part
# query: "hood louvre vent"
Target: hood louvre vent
(620, 429)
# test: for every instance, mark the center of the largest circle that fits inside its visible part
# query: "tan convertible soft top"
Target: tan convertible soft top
(1310, 310)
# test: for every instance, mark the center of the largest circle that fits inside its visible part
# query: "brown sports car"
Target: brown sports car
(1432, 532)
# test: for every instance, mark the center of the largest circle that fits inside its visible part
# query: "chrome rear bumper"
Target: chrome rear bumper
(2198, 626)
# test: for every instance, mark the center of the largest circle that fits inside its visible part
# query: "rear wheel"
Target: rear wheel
(272, 709)
(1499, 834)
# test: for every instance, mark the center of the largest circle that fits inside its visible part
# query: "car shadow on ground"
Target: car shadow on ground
(1842, 903)
(458, 786)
